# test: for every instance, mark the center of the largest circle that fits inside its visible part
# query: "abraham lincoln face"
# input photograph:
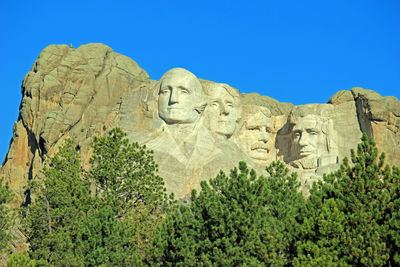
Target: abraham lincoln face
(306, 136)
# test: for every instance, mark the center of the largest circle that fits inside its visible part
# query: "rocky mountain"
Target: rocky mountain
(195, 127)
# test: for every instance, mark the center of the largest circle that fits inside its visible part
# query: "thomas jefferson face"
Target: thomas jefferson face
(255, 136)
(306, 136)
(179, 95)
(222, 113)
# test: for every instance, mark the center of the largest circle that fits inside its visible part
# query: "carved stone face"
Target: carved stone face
(256, 136)
(179, 95)
(221, 112)
(306, 136)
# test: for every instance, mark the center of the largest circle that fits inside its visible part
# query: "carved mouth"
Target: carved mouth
(260, 149)
(304, 154)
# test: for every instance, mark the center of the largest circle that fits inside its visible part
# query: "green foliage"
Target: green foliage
(106, 241)
(21, 259)
(6, 215)
(60, 200)
(237, 220)
(118, 214)
(353, 217)
(394, 218)
(126, 180)
(124, 174)
(103, 217)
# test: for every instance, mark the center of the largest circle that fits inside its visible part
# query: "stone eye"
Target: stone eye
(254, 129)
(165, 91)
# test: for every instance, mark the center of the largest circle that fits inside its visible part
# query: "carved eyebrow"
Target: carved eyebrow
(312, 130)
(165, 87)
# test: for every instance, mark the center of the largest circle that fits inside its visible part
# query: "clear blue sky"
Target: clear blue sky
(294, 51)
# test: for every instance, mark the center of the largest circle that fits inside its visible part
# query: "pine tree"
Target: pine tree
(393, 217)
(352, 217)
(105, 240)
(22, 259)
(125, 178)
(125, 174)
(60, 199)
(235, 220)
(6, 215)
(69, 223)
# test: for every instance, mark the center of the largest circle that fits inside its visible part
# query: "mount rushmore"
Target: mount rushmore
(195, 127)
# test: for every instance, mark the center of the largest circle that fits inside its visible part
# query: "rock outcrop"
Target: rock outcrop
(195, 127)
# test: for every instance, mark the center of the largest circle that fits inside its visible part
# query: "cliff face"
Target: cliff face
(67, 93)
(195, 127)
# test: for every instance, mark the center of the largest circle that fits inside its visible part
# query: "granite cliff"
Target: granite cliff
(195, 127)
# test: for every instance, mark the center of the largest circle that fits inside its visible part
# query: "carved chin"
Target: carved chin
(259, 153)
(176, 116)
(225, 131)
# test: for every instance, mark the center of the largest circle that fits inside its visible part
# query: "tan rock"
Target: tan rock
(67, 93)
(196, 127)
(276, 108)
(341, 97)
(379, 117)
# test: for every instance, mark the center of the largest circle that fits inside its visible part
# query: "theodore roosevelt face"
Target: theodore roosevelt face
(256, 136)
(179, 94)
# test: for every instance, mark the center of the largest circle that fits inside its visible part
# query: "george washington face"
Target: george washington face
(180, 93)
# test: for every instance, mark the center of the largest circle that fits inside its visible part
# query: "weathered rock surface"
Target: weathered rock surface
(195, 127)
(67, 93)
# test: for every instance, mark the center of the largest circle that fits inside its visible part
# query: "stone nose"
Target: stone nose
(263, 136)
(223, 109)
(303, 141)
(174, 97)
